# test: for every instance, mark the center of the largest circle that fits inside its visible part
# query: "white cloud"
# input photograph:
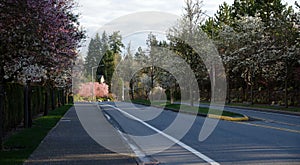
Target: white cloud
(97, 13)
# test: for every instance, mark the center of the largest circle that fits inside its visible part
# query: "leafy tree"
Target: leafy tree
(35, 32)
(189, 29)
(263, 49)
(127, 68)
(38, 41)
(140, 56)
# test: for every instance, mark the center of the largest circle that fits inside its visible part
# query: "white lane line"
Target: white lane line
(65, 120)
(135, 149)
(190, 149)
(107, 116)
(140, 154)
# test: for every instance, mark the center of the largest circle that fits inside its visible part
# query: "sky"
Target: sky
(97, 13)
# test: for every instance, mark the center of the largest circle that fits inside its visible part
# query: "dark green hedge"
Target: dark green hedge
(13, 105)
(13, 112)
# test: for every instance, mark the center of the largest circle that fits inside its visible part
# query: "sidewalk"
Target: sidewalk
(69, 143)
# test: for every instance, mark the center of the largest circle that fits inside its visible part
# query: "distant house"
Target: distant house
(101, 78)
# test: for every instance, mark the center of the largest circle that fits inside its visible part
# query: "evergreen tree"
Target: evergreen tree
(111, 46)
(93, 56)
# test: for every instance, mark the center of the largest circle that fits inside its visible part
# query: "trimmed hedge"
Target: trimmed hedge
(13, 109)
(13, 105)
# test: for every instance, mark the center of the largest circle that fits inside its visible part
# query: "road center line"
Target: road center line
(183, 145)
(270, 127)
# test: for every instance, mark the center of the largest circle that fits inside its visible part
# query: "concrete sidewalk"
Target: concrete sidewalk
(69, 143)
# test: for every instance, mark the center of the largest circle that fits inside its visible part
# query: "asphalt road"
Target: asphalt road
(162, 136)
(271, 120)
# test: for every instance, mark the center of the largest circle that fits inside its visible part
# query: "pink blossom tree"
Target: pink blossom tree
(45, 34)
(100, 90)
(38, 43)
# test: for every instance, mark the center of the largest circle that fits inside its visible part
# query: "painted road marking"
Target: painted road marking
(137, 151)
(140, 154)
(183, 145)
(270, 127)
(107, 116)
(279, 122)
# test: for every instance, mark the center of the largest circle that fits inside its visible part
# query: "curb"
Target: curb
(227, 118)
(245, 118)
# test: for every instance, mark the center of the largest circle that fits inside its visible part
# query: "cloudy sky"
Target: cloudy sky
(97, 13)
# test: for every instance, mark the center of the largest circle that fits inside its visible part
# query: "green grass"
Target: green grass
(19, 146)
(187, 108)
(263, 106)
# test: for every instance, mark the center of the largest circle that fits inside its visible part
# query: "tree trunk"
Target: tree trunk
(286, 93)
(26, 113)
(46, 102)
(191, 95)
(52, 99)
(252, 85)
(269, 95)
(58, 98)
(246, 93)
(171, 96)
(63, 97)
(132, 91)
(286, 86)
(67, 96)
(29, 106)
(228, 93)
(251, 94)
(2, 92)
(152, 82)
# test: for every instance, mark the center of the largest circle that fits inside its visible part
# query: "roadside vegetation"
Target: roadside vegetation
(185, 108)
(265, 106)
(258, 42)
(39, 42)
(18, 147)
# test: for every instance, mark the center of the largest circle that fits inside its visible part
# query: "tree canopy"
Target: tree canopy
(38, 39)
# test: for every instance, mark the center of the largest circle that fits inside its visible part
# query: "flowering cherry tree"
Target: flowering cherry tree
(100, 90)
(43, 34)
(38, 42)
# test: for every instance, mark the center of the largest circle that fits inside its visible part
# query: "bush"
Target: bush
(13, 109)
(13, 105)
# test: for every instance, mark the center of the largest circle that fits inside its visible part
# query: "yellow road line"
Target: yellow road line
(271, 127)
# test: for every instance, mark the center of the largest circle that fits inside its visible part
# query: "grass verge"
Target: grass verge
(186, 108)
(19, 146)
(262, 106)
